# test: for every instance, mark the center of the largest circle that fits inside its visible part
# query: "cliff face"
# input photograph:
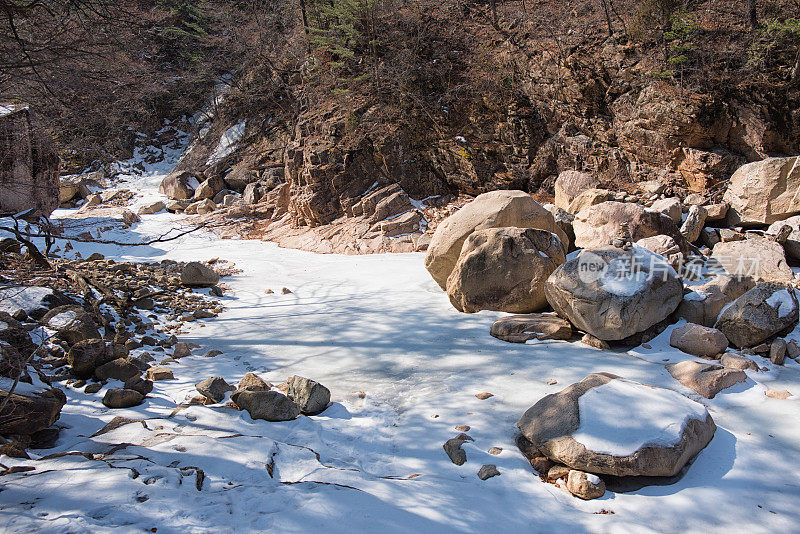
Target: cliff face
(29, 165)
(502, 111)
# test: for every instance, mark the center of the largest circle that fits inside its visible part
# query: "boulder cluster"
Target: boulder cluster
(620, 269)
(99, 326)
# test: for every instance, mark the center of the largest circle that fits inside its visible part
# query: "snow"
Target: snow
(23, 298)
(696, 295)
(594, 479)
(227, 144)
(782, 301)
(3, 325)
(61, 320)
(621, 417)
(377, 324)
(628, 275)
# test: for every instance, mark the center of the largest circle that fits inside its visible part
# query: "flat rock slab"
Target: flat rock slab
(698, 340)
(522, 328)
(606, 424)
(706, 379)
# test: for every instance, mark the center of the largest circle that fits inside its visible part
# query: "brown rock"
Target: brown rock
(489, 210)
(159, 373)
(704, 378)
(29, 413)
(570, 184)
(777, 351)
(585, 485)
(698, 340)
(539, 326)
(736, 361)
(266, 405)
(758, 314)
(488, 471)
(702, 306)
(778, 394)
(764, 191)
(253, 382)
(504, 269)
(484, 395)
(122, 398)
(762, 259)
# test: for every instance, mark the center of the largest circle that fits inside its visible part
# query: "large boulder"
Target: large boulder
(703, 304)
(570, 184)
(590, 197)
(489, 210)
(539, 326)
(764, 311)
(30, 409)
(13, 333)
(760, 258)
(664, 246)
(596, 226)
(72, 323)
(87, 355)
(29, 164)
(504, 269)
(605, 424)
(179, 185)
(764, 191)
(33, 300)
(195, 274)
(671, 207)
(612, 293)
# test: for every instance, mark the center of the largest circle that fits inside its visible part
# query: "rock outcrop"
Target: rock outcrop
(764, 191)
(29, 164)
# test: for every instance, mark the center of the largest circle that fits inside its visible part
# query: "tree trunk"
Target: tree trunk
(607, 12)
(752, 16)
(305, 17)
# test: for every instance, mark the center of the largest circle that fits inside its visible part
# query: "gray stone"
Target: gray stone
(539, 326)
(612, 293)
(311, 396)
(488, 471)
(777, 351)
(504, 269)
(122, 398)
(766, 310)
(698, 340)
(266, 405)
(195, 274)
(703, 304)
(214, 388)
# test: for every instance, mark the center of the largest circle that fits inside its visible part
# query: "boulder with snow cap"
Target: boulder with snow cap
(612, 293)
(764, 311)
(703, 304)
(179, 185)
(606, 424)
(72, 323)
(504, 269)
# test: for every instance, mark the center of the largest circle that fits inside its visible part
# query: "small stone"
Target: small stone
(484, 395)
(93, 388)
(269, 292)
(286, 291)
(778, 394)
(453, 449)
(558, 471)
(214, 388)
(212, 353)
(463, 428)
(589, 339)
(216, 291)
(122, 398)
(585, 485)
(12, 449)
(488, 471)
(552, 382)
(181, 350)
(159, 373)
(777, 352)
(494, 451)
(139, 384)
(735, 361)
(311, 396)
(541, 464)
(253, 382)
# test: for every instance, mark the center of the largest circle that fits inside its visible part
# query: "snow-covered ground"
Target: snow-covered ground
(380, 325)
